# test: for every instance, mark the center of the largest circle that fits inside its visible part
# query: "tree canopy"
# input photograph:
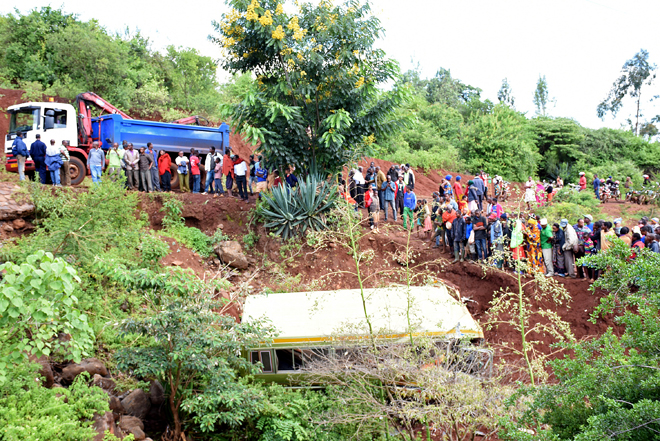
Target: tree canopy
(317, 100)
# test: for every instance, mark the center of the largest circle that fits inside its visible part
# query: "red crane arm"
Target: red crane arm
(83, 100)
(197, 120)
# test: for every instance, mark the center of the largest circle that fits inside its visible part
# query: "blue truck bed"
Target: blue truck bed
(165, 136)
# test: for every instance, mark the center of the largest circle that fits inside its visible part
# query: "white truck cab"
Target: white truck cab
(51, 120)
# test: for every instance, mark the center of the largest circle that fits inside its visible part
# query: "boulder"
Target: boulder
(116, 407)
(18, 224)
(106, 384)
(132, 425)
(136, 404)
(231, 253)
(46, 371)
(91, 365)
(14, 203)
(156, 393)
(105, 422)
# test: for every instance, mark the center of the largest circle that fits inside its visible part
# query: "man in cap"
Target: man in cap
(481, 191)
(589, 222)
(570, 245)
(546, 247)
(458, 191)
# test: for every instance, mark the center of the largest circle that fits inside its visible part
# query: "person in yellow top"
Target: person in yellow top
(533, 240)
(606, 236)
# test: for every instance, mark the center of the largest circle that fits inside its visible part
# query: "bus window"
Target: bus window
(311, 356)
(297, 359)
(254, 357)
(284, 359)
(265, 360)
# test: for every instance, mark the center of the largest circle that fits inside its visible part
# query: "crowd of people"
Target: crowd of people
(468, 220)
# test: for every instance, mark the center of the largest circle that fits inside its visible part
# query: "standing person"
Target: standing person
(194, 170)
(558, 254)
(481, 191)
(472, 197)
(559, 183)
(517, 242)
(114, 162)
(409, 205)
(278, 180)
(583, 181)
(606, 236)
(373, 207)
(479, 224)
(400, 191)
(218, 177)
(393, 174)
(253, 171)
(228, 171)
(596, 184)
(155, 176)
(458, 236)
(164, 167)
(547, 247)
(570, 245)
(530, 195)
(261, 176)
(292, 180)
(533, 238)
(20, 152)
(240, 172)
(447, 188)
(38, 155)
(389, 192)
(65, 172)
(54, 162)
(209, 167)
(358, 177)
(131, 159)
(182, 171)
(624, 235)
(458, 191)
(409, 177)
(585, 245)
(380, 180)
(145, 164)
(497, 239)
(96, 162)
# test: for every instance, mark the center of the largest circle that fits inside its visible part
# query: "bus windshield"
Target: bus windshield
(24, 120)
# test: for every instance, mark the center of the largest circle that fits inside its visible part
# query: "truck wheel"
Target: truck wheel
(174, 182)
(77, 170)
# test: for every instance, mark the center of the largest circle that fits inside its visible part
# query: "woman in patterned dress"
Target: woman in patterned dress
(533, 240)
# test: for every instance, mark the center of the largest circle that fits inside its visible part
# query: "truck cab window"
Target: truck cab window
(24, 120)
(60, 118)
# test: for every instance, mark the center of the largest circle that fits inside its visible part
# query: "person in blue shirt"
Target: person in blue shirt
(389, 191)
(38, 154)
(291, 179)
(155, 177)
(20, 152)
(96, 162)
(409, 205)
(261, 175)
(596, 185)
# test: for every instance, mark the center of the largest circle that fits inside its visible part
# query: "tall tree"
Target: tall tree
(317, 98)
(541, 97)
(635, 74)
(505, 95)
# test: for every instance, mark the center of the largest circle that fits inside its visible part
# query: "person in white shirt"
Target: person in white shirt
(240, 172)
(182, 170)
(209, 166)
(358, 177)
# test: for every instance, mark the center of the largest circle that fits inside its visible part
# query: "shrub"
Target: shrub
(292, 212)
(571, 205)
(31, 412)
(175, 227)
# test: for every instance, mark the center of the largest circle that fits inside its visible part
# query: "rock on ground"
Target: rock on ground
(156, 393)
(13, 203)
(105, 422)
(91, 365)
(136, 404)
(132, 425)
(231, 253)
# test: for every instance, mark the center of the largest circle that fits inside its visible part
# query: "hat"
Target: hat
(581, 173)
(544, 221)
(503, 216)
(458, 178)
(470, 182)
(448, 177)
(655, 220)
(588, 216)
(636, 229)
(618, 220)
(563, 223)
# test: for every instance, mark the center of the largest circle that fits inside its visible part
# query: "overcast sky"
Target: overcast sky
(579, 45)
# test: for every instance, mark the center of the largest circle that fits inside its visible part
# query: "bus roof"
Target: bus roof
(319, 317)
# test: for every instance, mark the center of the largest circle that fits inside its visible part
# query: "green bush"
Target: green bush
(291, 212)
(445, 157)
(31, 412)
(176, 228)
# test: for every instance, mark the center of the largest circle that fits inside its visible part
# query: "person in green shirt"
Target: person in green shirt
(546, 247)
(114, 161)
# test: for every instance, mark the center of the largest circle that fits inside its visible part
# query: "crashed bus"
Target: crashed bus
(322, 324)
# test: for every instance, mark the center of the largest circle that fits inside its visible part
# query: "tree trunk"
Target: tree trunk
(175, 415)
(639, 98)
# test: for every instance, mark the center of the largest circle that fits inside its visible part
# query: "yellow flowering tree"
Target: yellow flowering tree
(317, 102)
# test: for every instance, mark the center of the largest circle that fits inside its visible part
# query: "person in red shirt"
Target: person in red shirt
(194, 170)
(277, 181)
(164, 165)
(583, 181)
(458, 191)
(228, 170)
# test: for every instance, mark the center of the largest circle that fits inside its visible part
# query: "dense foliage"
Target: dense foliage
(608, 387)
(49, 51)
(317, 99)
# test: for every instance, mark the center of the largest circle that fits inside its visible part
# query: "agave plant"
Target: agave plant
(292, 212)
